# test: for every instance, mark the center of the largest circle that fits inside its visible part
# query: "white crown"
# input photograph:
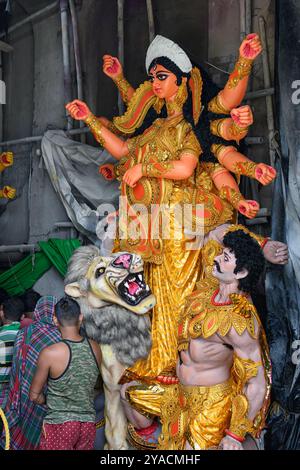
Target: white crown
(164, 47)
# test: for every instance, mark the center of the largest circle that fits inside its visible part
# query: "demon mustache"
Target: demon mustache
(217, 265)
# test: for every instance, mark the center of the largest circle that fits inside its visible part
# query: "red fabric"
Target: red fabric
(147, 431)
(72, 435)
(26, 322)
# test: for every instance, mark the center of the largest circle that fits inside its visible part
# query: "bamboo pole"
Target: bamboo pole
(248, 17)
(38, 138)
(77, 61)
(150, 20)
(35, 16)
(267, 84)
(242, 20)
(121, 45)
(66, 56)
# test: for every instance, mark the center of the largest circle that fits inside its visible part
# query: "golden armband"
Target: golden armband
(6, 160)
(245, 168)
(123, 87)
(156, 170)
(217, 150)
(96, 128)
(238, 131)
(241, 70)
(216, 127)
(216, 106)
(231, 195)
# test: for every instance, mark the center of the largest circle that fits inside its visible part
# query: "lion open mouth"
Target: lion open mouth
(134, 289)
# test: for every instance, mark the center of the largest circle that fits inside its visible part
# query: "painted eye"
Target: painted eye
(151, 79)
(99, 272)
(162, 77)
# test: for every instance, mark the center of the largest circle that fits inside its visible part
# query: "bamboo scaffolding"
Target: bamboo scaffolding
(150, 20)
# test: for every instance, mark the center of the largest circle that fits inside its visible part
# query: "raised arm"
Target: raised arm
(114, 70)
(106, 138)
(274, 251)
(251, 390)
(235, 89)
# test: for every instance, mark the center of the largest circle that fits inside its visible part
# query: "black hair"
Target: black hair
(13, 309)
(248, 255)
(3, 295)
(202, 129)
(67, 311)
(30, 299)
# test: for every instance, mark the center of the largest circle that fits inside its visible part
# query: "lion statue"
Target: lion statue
(114, 301)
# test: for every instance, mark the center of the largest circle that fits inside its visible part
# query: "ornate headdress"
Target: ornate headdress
(164, 47)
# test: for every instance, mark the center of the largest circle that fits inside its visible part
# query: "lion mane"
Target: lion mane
(128, 334)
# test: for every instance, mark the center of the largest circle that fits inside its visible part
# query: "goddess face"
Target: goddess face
(164, 82)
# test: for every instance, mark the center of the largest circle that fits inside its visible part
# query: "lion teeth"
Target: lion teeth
(126, 285)
(140, 277)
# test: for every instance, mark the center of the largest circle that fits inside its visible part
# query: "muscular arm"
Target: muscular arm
(40, 378)
(246, 347)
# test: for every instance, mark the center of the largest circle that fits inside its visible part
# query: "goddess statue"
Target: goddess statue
(172, 150)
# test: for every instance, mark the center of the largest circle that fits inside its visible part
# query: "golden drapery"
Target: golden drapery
(171, 266)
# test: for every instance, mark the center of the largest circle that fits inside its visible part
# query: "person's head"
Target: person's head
(67, 313)
(241, 261)
(12, 310)
(30, 299)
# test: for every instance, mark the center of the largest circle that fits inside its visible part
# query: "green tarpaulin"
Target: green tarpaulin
(55, 252)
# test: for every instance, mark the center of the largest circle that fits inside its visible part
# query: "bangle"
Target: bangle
(247, 168)
(216, 127)
(264, 242)
(123, 87)
(217, 107)
(156, 170)
(234, 436)
(232, 196)
(241, 70)
(96, 128)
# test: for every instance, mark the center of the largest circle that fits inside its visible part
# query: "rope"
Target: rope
(6, 429)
